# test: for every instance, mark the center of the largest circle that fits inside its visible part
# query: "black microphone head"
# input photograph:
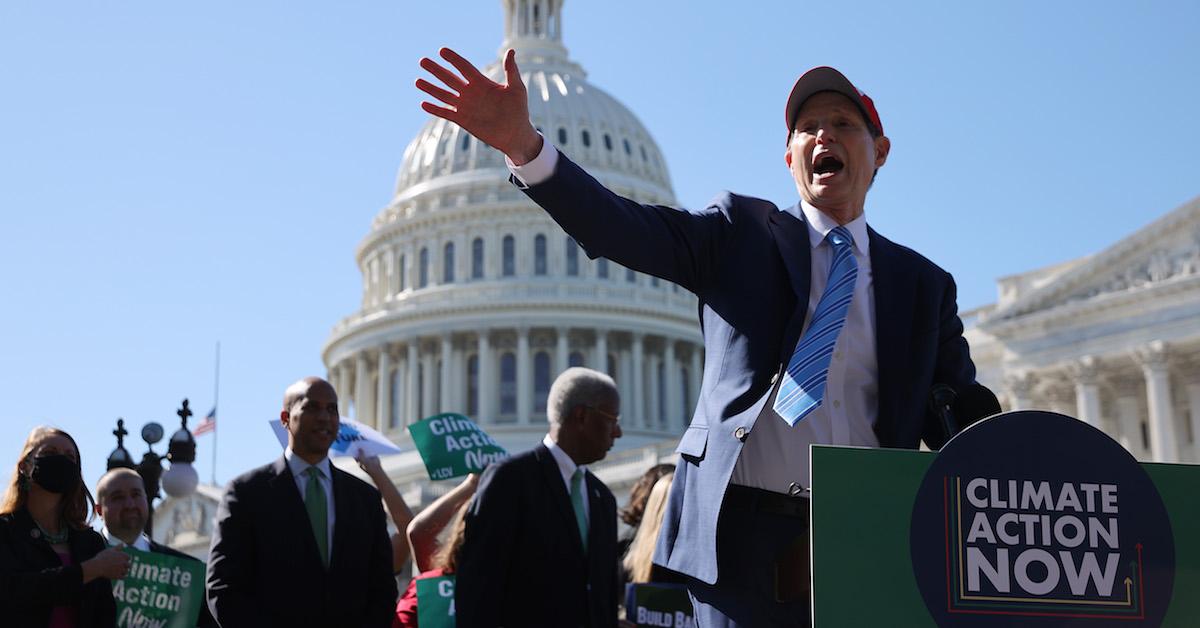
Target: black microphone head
(975, 402)
(941, 397)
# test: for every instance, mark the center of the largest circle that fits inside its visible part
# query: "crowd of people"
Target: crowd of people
(300, 542)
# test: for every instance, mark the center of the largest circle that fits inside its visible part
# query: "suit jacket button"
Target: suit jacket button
(774, 377)
(740, 434)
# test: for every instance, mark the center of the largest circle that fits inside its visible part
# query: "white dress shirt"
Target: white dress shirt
(142, 543)
(567, 468)
(775, 455)
(299, 474)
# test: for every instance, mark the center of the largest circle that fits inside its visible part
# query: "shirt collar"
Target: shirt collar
(299, 466)
(566, 466)
(142, 543)
(820, 224)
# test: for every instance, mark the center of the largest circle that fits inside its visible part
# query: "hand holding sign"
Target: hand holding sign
(452, 446)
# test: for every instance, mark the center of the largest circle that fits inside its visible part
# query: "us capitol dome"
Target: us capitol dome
(473, 299)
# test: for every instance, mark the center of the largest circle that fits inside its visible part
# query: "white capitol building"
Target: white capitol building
(474, 300)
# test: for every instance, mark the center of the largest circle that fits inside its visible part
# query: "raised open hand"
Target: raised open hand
(496, 114)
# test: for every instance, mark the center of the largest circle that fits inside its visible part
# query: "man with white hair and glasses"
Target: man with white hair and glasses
(541, 533)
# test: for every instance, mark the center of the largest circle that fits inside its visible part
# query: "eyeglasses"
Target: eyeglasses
(615, 417)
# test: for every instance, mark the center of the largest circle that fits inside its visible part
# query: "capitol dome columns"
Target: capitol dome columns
(383, 401)
(636, 412)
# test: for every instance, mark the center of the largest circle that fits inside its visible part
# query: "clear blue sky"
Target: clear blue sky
(174, 174)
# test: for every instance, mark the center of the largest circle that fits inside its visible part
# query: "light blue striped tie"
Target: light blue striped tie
(803, 385)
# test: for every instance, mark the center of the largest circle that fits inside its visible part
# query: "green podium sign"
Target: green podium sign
(435, 602)
(1025, 519)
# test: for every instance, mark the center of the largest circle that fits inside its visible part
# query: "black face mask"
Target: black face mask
(55, 473)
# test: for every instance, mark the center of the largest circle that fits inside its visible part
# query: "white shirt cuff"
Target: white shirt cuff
(538, 170)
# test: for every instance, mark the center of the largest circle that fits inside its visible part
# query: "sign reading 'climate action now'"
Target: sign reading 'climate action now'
(1010, 523)
(451, 445)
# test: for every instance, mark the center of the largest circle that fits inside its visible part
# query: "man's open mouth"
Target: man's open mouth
(827, 165)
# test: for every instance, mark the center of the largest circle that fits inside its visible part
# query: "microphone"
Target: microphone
(975, 403)
(941, 403)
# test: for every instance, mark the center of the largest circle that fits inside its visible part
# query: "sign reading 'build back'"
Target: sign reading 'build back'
(451, 445)
(1041, 517)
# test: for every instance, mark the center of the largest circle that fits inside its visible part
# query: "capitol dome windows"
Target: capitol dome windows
(508, 384)
(477, 258)
(448, 263)
(572, 258)
(608, 142)
(602, 268)
(562, 136)
(541, 381)
(539, 255)
(403, 275)
(587, 138)
(509, 254)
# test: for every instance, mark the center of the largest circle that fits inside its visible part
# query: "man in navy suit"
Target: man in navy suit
(887, 327)
(299, 542)
(540, 547)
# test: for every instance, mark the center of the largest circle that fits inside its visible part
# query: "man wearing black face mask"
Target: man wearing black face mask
(54, 569)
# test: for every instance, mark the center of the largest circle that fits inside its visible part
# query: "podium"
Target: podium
(1030, 519)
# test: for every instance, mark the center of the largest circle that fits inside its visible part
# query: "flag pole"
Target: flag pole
(216, 397)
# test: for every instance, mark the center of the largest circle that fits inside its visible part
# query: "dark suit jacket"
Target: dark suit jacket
(523, 563)
(749, 264)
(264, 569)
(205, 619)
(33, 580)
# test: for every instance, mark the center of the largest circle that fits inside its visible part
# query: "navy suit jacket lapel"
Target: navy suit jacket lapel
(290, 505)
(791, 238)
(559, 497)
(893, 285)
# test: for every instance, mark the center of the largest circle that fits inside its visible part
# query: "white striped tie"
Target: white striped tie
(803, 386)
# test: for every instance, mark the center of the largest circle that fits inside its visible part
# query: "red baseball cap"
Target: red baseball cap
(827, 79)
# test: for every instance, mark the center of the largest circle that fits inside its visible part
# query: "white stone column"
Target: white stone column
(458, 379)
(402, 395)
(696, 375)
(654, 411)
(674, 406)
(485, 379)
(524, 377)
(1085, 373)
(412, 409)
(600, 360)
(1020, 386)
(360, 388)
(394, 274)
(444, 389)
(429, 374)
(341, 384)
(383, 398)
(1153, 359)
(562, 358)
(625, 384)
(638, 407)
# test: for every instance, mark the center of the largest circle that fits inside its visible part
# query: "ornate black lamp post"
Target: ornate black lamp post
(180, 480)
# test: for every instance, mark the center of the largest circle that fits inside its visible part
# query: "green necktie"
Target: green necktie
(577, 494)
(318, 512)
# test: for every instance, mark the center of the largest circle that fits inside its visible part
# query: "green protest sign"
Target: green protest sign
(435, 602)
(160, 591)
(452, 446)
(659, 606)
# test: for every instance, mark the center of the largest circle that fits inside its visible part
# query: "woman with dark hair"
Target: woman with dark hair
(55, 571)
